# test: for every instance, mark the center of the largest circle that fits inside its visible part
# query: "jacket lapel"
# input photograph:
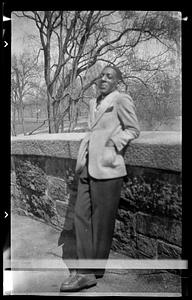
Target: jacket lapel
(104, 105)
(92, 113)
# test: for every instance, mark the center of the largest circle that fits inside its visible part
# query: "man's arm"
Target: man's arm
(128, 119)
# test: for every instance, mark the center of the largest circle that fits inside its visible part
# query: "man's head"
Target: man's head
(109, 78)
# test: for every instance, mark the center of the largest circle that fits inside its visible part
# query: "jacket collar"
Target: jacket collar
(103, 106)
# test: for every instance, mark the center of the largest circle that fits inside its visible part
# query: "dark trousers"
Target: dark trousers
(95, 211)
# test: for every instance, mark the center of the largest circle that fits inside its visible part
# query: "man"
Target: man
(101, 168)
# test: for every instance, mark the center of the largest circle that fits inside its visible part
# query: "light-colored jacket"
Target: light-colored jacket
(115, 120)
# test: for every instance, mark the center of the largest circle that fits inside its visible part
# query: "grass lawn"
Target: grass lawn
(31, 125)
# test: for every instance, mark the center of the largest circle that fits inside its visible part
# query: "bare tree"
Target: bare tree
(83, 38)
(24, 74)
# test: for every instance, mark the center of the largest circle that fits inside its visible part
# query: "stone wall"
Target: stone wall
(149, 218)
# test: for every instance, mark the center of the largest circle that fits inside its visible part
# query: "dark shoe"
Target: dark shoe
(78, 282)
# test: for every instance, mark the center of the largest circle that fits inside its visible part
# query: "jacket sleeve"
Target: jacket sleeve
(129, 124)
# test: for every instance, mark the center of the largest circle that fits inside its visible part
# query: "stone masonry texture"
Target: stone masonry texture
(148, 222)
(149, 218)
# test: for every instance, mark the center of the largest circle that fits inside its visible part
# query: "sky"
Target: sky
(20, 29)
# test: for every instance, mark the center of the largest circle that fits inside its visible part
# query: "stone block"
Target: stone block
(63, 145)
(127, 247)
(160, 150)
(57, 189)
(166, 229)
(168, 251)
(146, 246)
(60, 167)
(124, 235)
(153, 192)
(55, 167)
(127, 222)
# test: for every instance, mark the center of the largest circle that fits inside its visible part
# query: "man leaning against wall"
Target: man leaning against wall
(100, 165)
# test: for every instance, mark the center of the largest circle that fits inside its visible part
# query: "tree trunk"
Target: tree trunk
(73, 116)
(50, 114)
(13, 130)
(71, 119)
(18, 115)
(52, 109)
(56, 117)
(62, 125)
(22, 117)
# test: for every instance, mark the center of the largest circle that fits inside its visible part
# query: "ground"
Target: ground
(37, 267)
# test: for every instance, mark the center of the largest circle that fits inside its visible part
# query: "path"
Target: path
(34, 248)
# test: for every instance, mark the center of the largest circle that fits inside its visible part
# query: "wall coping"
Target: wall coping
(153, 149)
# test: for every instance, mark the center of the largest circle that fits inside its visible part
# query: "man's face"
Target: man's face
(108, 81)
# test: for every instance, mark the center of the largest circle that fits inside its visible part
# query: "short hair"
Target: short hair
(117, 71)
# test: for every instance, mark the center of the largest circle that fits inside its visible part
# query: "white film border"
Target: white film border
(97, 264)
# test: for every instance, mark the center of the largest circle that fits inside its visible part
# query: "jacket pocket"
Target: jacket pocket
(108, 156)
(109, 109)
